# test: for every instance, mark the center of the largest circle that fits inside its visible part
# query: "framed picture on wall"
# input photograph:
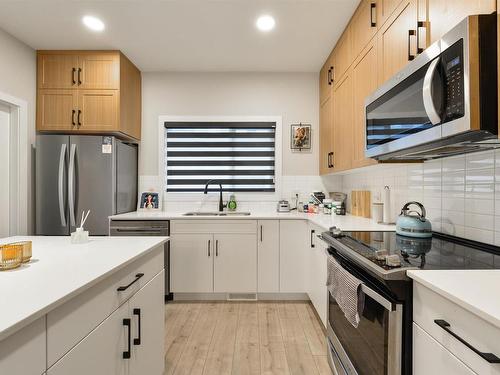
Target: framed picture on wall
(300, 137)
(149, 200)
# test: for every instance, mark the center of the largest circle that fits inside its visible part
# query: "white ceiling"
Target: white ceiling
(187, 35)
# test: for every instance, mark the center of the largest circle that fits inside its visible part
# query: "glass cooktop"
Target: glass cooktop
(439, 252)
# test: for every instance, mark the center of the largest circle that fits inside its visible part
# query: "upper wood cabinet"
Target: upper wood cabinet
(386, 7)
(397, 39)
(326, 138)
(365, 81)
(326, 79)
(88, 92)
(342, 56)
(364, 25)
(342, 125)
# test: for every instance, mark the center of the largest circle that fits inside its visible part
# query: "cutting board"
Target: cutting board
(361, 203)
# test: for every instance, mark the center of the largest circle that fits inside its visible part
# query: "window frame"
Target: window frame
(241, 196)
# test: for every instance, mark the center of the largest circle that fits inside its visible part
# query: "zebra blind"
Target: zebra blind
(238, 155)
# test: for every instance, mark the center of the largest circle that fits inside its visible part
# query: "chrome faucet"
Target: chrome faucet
(221, 205)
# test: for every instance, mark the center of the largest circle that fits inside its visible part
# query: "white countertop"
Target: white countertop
(345, 223)
(475, 290)
(58, 271)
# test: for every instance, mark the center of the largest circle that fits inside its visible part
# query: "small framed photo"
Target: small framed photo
(300, 137)
(149, 200)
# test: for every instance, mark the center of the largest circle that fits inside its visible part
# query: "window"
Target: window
(238, 155)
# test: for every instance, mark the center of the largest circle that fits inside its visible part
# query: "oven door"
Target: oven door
(375, 347)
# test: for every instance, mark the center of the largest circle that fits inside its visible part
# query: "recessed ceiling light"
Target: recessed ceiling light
(93, 23)
(265, 23)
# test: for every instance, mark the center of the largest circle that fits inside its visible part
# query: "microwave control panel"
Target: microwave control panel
(453, 75)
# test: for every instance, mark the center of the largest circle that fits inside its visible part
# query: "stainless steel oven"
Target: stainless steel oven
(442, 103)
(375, 346)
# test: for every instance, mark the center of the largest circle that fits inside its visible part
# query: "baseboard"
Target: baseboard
(223, 297)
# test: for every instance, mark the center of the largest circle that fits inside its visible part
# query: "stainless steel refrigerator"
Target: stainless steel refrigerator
(82, 172)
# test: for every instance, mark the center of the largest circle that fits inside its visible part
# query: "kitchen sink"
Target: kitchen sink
(217, 214)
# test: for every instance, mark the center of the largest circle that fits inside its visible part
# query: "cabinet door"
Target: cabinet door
(326, 135)
(364, 79)
(147, 309)
(342, 55)
(268, 245)
(99, 110)
(397, 40)
(325, 80)
(342, 125)
(445, 14)
(99, 71)
(294, 243)
(318, 269)
(191, 263)
(385, 8)
(57, 71)
(101, 352)
(57, 110)
(430, 357)
(364, 25)
(235, 264)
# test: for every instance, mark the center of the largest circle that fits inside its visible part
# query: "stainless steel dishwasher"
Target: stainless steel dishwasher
(146, 228)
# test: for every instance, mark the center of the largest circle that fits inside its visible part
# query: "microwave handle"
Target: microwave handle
(430, 109)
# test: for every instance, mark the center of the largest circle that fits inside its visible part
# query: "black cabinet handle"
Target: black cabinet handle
(73, 117)
(312, 236)
(216, 248)
(137, 277)
(79, 118)
(137, 341)
(208, 248)
(79, 76)
(489, 357)
(329, 77)
(410, 34)
(261, 237)
(373, 23)
(420, 25)
(73, 76)
(126, 323)
(329, 160)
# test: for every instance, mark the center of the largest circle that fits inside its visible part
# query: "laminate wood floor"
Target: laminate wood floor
(266, 338)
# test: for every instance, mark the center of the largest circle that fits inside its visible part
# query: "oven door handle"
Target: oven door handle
(389, 306)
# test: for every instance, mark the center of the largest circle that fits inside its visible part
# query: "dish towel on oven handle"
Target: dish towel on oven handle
(346, 290)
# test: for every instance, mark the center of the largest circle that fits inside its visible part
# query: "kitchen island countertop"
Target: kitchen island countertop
(59, 271)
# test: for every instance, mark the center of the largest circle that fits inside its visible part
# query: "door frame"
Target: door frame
(20, 145)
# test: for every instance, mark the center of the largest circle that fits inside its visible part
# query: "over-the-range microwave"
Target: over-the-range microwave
(442, 103)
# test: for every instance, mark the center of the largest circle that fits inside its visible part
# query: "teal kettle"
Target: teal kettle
(413, 224)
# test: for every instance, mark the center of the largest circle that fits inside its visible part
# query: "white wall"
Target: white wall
(18, 79)
(292, 96)
(461, 194)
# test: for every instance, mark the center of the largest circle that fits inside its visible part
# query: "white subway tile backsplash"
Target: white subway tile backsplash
(453, 203)
(480, 206)
(479, 221)
(481, 235)
(479, 160)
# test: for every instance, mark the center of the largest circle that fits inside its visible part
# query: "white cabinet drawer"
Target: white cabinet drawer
(429, 306)
(23, 353)
(71, 322)
(213, 226)
(430, 357)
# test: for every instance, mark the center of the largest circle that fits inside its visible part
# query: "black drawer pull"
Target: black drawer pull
(126, 354)
(489, 357)
(73, 117)
(373, 23)
(79, 76)
(137, 341)
(312, 235)
(73, 80)
(137, 277)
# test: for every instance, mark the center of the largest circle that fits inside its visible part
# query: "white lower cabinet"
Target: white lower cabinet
(317, 273)
(147, 309)
(111, 349)
(235, 263)
(268, 256)
(221, 259)
(431, 358)
(24, 353)
(294, 241)
(191, 259)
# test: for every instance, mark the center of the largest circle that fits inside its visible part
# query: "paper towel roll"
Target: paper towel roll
(387, 205)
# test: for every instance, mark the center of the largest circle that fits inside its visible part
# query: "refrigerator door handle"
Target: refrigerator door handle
(60, 184)
(71, 185)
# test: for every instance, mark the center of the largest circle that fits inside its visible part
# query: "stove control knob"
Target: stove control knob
(393, 261)
(336, 232)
